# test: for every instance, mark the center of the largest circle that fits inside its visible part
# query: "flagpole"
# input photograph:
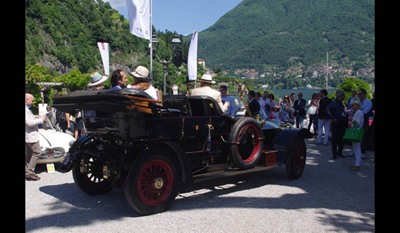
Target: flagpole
(151, 40)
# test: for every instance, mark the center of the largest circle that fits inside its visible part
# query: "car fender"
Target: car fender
(283, 139)
(75, 149)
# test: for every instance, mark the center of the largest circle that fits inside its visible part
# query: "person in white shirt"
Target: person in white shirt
(274, 107)
(357, 121)
(266, 103)
(142, 81)
(366, 108)
(232, 109)
(32, 145)
(260, 101)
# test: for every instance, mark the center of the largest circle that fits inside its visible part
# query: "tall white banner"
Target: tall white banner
(139, 17)
(192, 57)
(104, 52)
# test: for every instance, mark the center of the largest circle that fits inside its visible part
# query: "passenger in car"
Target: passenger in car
(232, 110)
(142, 81)
(205, 89)
(118, 79)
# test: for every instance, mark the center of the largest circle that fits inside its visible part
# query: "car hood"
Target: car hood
(52, 138)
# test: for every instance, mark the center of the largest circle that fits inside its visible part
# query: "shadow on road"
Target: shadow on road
(76, 208)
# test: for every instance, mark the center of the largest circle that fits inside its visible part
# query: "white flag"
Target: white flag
(104, 52)
(139, 17)
(192, 57)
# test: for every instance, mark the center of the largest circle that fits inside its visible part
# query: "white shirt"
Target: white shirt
(359, 117)
(208, 91)
(152, 92)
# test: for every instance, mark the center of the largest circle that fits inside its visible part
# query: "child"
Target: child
(357, 121)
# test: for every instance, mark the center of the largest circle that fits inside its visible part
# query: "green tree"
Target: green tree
(352, 84)
(33, 74)
(75, 80)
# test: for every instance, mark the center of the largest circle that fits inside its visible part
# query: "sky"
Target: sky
(183, 16)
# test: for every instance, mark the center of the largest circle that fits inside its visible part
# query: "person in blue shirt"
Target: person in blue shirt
(353, 97)
(232, 109)
(335, 110)
(366, 108)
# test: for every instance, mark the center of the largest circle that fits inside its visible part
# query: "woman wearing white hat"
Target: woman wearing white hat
(142, 81)
(205, 89)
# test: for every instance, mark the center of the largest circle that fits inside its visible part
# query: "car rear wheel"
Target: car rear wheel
(152, 185)
(90, 179)
(246, 143)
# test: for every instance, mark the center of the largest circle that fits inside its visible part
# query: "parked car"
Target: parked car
(54, 145)
(152, 149)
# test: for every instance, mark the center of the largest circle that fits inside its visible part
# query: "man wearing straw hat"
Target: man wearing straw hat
(205, 89)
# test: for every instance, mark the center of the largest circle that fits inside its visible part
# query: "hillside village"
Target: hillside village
(306, 75)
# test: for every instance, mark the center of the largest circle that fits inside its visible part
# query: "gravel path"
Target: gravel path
(327, 197)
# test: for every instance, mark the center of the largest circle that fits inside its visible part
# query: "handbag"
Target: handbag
(312, 110)
(354, 134)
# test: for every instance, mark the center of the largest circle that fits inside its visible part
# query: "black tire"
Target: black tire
(153, 184)
(296, 159)
(91, 182)
(246, 143)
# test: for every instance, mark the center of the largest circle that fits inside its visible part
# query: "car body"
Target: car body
(54, 145)
(152, 149)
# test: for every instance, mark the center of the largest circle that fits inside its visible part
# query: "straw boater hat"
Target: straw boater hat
(142, 73)
(96, 79)
(206, 78)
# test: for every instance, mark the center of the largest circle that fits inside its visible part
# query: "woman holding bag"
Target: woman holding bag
(312, 113)
(357, 121)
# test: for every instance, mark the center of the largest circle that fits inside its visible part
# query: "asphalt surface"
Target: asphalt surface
(327, 197)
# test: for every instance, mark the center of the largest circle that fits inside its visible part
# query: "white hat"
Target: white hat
(206, 78)
(96, 79)
(141, 72)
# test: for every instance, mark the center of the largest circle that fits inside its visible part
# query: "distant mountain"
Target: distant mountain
(264, 33)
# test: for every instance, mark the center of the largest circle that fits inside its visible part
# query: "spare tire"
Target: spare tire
(246, 140)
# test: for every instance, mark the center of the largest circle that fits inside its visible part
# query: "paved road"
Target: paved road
(327, 197)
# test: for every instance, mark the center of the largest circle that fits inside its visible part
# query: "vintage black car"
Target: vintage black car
(152, 149)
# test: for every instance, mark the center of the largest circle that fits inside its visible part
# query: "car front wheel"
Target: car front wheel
(296, 159)
(246, 140)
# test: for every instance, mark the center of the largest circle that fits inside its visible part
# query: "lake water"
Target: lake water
(307, 93)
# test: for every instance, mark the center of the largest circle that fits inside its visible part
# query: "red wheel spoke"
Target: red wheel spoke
(155, 173)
